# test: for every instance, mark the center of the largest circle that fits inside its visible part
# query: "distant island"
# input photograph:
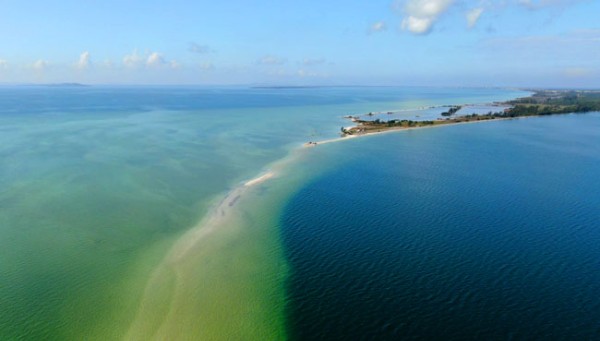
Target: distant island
(540, 103)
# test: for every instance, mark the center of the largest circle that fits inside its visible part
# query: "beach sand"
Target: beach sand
(387, 130)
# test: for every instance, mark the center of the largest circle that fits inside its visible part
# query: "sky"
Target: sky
(521, 43)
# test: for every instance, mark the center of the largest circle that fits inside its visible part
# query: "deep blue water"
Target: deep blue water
(477, 231)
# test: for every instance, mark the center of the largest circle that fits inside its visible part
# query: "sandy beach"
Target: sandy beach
(401, 129)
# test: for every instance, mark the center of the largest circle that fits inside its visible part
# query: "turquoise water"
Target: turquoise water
(105, 192)
(484, 231)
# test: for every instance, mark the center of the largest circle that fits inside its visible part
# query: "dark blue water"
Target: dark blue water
(479, 231)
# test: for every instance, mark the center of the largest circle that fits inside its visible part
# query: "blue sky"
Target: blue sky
(376, 42)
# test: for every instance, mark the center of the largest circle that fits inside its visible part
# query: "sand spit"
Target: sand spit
(169, 283)
(259, 179)
(214, 218)
(401, 129)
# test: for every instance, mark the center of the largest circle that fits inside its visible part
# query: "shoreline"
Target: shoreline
(539, 103)
(401, 129)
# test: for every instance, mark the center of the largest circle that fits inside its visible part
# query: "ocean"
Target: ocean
(195, 213)
(468, 232)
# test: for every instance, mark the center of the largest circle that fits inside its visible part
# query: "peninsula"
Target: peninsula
(540, 103)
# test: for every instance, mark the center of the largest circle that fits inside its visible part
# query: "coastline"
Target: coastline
(401, 129)
(539, 103)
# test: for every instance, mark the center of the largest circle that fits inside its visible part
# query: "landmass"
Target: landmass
(540, 103)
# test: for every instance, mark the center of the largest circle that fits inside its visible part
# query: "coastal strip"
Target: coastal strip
(540, 103)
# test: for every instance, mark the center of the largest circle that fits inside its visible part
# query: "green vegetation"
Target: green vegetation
(379, 125)
(451, 111)
(550, 102)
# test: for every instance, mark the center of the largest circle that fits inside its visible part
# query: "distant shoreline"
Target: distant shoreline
(540, 103)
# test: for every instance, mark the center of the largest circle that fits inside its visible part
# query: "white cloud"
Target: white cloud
(155, 59)
(271, 60)
(132, 60)
(151, 60)
(379, 26)
(417, 25)
(3, 64)
(421, 15)
(84, 61)
(40, 65)
(473, 16)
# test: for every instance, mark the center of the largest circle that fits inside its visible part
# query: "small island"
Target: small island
(540, 103)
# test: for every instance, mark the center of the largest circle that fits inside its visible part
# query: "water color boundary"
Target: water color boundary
(218, 226)
(160, 314)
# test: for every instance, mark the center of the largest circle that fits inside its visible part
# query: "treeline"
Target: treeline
(451, 111)
(532, 110)
(397, 123)
(555, 102)
(548, 102)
